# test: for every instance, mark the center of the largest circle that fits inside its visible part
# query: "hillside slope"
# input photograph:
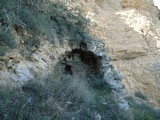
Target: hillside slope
(73, 60)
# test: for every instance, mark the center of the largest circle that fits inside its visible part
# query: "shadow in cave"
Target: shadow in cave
(83, 65)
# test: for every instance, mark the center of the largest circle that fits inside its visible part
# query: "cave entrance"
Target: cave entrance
(83, 64)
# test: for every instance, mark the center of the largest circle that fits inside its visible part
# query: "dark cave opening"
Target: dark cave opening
(90, 59)
(83, 64)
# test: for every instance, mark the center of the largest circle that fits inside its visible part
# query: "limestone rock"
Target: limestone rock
(130, 29)
(22, 72)
(98, 117)
(123, 104)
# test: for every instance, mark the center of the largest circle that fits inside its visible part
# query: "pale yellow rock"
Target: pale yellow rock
(133, 3)
(130, 30)
(131, 33)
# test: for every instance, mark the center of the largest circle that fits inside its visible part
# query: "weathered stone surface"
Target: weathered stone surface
(97, 116)
(123, 105)
(130, 29)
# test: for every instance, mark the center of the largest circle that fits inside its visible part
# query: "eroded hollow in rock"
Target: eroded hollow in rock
(83, 65)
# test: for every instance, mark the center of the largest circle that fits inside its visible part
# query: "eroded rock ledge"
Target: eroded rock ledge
(131, 31)
(85, 61)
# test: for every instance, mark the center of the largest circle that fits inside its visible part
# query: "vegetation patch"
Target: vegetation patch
(66, 98)
(140, 95)
(62, 99)
(143, 111)
(41, 18)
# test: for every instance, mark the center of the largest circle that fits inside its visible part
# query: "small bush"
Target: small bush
(47, 18)
(45, 100)
(7, 39)
(61, 99)
(3, 50)
(143, 111)
(140, 95)
(6, 42)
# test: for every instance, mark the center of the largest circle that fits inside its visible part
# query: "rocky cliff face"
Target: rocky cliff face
(131, 33)
(130, 29)
(79, 59)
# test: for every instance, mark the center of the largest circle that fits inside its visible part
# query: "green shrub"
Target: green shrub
(140, 95)
(47, 18)
(67, 23)
(6, 37)
(62, 99)
(6, 42)
(107, 105)
(3, 49)
(143, 111)
(18, 13)
(47, 100)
